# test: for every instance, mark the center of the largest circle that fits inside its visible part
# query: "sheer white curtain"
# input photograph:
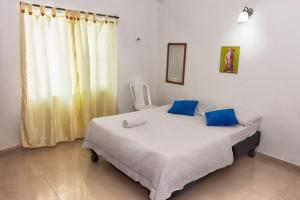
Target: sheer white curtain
(69, 74)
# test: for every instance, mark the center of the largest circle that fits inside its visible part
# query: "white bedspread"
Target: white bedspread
(167, 152)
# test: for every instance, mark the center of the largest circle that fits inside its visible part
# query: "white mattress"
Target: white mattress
(167, 152)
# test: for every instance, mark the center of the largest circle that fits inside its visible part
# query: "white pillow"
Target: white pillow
(202, 108)
(246, 117)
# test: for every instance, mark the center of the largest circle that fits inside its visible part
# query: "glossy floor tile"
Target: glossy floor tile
(64, 172)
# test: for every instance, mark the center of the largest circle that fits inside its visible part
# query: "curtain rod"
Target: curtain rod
(63, 9)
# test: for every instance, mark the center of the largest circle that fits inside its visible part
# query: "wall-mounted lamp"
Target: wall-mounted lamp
(245, 15)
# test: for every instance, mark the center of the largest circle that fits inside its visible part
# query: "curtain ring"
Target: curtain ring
(29, 7)
(94, 18)
(106, 19)
(86, 16)
(53, 12)
(78, 15)
(67, 14)
(71, 15)
(22, 7)
(42, 10)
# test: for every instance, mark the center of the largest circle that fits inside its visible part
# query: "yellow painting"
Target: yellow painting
(230, 59)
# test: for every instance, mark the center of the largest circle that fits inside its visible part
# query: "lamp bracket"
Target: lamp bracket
(248, 10)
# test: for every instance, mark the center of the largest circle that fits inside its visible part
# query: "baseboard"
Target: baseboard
(11, 150)
(279, 160)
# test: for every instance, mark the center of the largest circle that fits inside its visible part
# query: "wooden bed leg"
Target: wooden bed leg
(94, 156)
(252, 153)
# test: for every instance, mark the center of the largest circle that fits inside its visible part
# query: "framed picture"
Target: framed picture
(230, 59)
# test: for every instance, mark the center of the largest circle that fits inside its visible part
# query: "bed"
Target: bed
(169, 151)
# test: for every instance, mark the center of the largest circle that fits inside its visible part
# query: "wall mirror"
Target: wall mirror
(176, 63)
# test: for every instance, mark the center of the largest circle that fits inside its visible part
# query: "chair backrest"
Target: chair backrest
(137, 93)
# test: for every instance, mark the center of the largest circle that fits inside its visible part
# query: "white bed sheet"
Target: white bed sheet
(167, 152)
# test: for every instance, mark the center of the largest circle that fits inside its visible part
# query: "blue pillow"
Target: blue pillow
(225, 117)
(184, 107)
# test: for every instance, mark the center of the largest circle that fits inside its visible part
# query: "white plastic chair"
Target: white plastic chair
(137, 93)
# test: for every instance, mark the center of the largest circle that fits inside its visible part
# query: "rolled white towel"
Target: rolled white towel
(133, 123)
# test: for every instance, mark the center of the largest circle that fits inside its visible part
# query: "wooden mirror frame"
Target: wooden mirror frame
(183, 67)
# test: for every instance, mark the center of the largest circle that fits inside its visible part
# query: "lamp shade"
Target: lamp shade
(243, 17)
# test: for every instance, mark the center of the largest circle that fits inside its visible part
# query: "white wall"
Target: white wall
(268, 80)
(137, 18)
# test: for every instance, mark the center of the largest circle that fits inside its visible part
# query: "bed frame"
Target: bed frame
(245, 147)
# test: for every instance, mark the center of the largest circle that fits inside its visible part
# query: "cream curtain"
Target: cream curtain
(69, 74)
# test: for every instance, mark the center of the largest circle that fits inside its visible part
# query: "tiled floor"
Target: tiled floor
(65, 172)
